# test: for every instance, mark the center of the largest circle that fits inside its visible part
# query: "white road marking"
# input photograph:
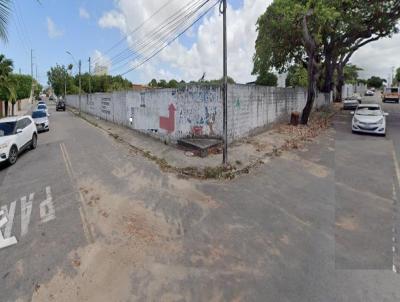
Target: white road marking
(5, 242)
(26, 210)
(9, 213)
(47, 211)
(86, 227)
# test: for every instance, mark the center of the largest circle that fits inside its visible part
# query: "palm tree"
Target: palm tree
(4, 14)
(6, 67)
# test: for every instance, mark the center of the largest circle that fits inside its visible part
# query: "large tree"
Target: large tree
(375, 82)
(359, 23)
(6, 67)
(290, 32)
(320, 35)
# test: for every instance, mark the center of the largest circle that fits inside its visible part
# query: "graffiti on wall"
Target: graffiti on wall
(168, 123)
(106, 106)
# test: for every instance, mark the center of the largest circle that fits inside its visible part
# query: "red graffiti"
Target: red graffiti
(168, 123)
(197, 130)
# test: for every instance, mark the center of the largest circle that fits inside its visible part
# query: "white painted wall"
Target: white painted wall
(197, 110)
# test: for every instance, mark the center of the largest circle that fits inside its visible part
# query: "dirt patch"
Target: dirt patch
(347, 223)
(129, 236)
(311, 167)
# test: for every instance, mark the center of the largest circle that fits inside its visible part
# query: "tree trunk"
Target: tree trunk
(328, 83)
(312, 83)
(12, 108)
(6, 108)
(340, 83)
(1, 108)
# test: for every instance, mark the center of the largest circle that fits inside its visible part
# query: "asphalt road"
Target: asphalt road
(96, 222)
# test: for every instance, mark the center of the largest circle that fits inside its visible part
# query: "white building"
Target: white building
(100, 69)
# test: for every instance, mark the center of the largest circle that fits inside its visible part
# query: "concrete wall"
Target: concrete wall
(170, 114)
(350, 89)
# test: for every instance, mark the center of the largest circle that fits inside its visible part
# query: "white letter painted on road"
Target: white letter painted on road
(10, 217)
(26, 210)
(47, 212)
(3, 241)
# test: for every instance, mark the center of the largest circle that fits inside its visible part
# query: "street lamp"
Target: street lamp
(80, 84)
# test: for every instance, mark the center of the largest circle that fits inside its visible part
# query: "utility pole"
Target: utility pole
(80, 86)
(65, 84)
(36, 74)
(32, 75)
(225, 89)
(90, 77)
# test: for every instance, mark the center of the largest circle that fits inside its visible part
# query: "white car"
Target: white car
(369, 118)
(16, 135)
(42, 107)
(41, 120)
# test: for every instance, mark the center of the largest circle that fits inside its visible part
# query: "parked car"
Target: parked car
(391, 94)
(350, 103)
(357, 96)
(42, 103)
(60, 106)
(369, 118)
(369, 93)
(16, 135)
(41, 120)
(42, 107)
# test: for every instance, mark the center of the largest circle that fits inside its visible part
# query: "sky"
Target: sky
(88, 28)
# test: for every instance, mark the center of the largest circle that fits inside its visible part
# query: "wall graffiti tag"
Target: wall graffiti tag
(106, 106)
(168, 123)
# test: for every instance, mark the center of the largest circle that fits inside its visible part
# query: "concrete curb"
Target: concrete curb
(216, 172)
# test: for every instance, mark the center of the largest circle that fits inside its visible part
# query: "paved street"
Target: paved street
(96, 222)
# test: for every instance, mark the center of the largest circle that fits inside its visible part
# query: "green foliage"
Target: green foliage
(397, 77)
(375, 82)
(175, 84)
(267, 79)
(23, 85)
(58, 76)
(351, 73)
(296, 77)
(4, 16)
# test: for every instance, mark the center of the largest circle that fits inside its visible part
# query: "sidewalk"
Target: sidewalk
(243, 155)
(26, 105)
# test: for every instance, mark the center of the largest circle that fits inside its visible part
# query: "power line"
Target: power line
(158, 30)
(160, 36)
(24, 27)
(172, 40)
(135, 29)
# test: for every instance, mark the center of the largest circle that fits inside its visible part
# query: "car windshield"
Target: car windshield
(42, 107)
(7, 128)
(38, 114)
(372, 110)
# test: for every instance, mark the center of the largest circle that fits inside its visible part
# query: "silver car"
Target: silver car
(41, 120)
(369, 118)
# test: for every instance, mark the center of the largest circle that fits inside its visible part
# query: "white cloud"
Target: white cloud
(83, 13)
(205, 54)
(379, 57)
(52, 29)
(98, 58)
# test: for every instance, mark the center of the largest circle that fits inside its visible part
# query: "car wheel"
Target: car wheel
(34, 141)
(13, 156)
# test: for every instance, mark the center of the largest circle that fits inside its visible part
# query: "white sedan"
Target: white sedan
(16, 135)
(369, 118)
